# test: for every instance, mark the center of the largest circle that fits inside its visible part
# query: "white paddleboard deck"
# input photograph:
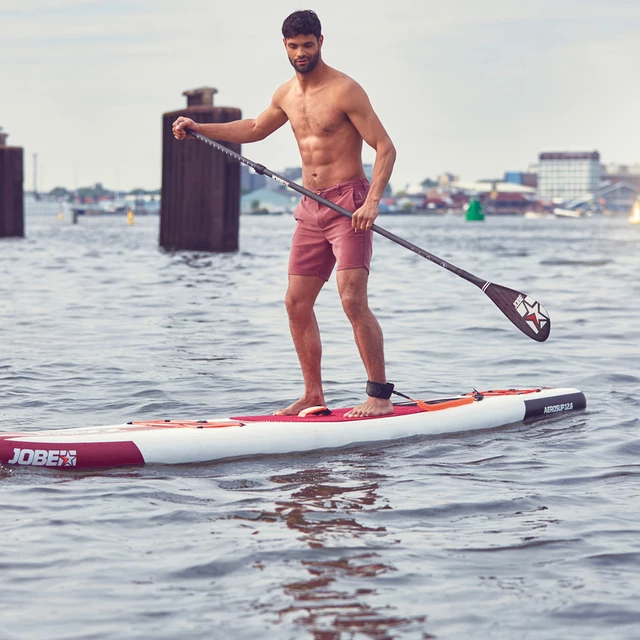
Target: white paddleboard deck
(180, 442)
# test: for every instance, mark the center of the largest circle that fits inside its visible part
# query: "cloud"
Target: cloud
(470, 87)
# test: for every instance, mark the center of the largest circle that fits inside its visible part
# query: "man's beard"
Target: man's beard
(310, 66)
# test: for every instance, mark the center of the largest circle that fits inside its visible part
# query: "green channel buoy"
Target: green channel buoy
(474, 212)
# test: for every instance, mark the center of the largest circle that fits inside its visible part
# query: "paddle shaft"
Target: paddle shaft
(262, 170)
(524, 312)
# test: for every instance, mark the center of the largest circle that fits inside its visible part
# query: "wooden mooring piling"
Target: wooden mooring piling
(200, 204)
(11, 190)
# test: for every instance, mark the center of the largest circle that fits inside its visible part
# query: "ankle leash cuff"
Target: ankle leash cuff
(379, 389)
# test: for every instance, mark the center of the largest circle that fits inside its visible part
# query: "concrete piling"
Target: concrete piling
(200, 204)
(11, 190)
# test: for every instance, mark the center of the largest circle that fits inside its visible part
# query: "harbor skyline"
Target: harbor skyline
(470, 89)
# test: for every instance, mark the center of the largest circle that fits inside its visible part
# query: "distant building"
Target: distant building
(491, 186)
(618, 196)
(614, 168)
(290, 173)
(566, 176)
(620, 187)
(526, 178)
(368, 172)
(250, 180)
(293, 173)
(496, 197)
(263, 201)
(506, 203)
(446, 180)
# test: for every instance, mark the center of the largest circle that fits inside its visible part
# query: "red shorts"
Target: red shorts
(324, 237)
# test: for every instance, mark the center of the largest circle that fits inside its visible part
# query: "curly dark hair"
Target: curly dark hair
(301, 22)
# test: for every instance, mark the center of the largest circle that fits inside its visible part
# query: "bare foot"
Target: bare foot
(304, 403)
(371, 407)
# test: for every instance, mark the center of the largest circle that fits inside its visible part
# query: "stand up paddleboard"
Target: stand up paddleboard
(179, 442)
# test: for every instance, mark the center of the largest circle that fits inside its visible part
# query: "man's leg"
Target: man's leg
(300, 299)
(352, 286)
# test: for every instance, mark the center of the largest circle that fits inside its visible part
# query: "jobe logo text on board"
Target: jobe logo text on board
(44, 457)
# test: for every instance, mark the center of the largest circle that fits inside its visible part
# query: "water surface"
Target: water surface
(529, 531)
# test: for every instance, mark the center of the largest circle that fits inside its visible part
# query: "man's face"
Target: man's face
(303, 51)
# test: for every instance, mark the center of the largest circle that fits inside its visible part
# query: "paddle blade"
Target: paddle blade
(525, 312)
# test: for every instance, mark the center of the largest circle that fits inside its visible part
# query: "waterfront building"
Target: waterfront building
(266, 201)
(368, 172)
(525, 178)
(567, 176)
(629, 173)
(620, 187)
(290, 173)
(293, 173)
(250, 180)
(618, 197)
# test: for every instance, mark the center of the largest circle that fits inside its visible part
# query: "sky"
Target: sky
(471, 87)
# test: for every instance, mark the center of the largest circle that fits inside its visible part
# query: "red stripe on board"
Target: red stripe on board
(183, 424)
(337, 415)
(505, 392)
(79, 455)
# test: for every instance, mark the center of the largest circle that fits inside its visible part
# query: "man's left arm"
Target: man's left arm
(364, 119)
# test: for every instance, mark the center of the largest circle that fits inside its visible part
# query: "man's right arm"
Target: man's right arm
(238, 131)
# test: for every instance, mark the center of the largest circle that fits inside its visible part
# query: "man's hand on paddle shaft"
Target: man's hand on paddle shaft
(364, 217)
(181, 124)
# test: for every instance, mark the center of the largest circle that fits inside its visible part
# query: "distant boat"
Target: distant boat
(538, 214)
(569, 213)
(112, 208)
(634, 218)
(107, 207)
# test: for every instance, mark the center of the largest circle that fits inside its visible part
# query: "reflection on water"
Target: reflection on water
(332, 601)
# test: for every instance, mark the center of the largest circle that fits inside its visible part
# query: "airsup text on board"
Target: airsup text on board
(44, 457)
(555, 408)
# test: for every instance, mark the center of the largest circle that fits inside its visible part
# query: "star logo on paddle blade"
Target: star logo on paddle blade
(535, 315)
(532, 312)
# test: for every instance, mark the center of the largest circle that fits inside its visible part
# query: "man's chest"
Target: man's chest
(314, 116)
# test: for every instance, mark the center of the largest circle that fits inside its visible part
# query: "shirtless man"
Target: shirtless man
(330, 115)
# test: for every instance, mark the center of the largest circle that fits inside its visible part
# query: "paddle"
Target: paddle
(526, 313)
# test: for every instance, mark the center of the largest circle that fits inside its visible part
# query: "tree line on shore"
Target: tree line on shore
(95, 193)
